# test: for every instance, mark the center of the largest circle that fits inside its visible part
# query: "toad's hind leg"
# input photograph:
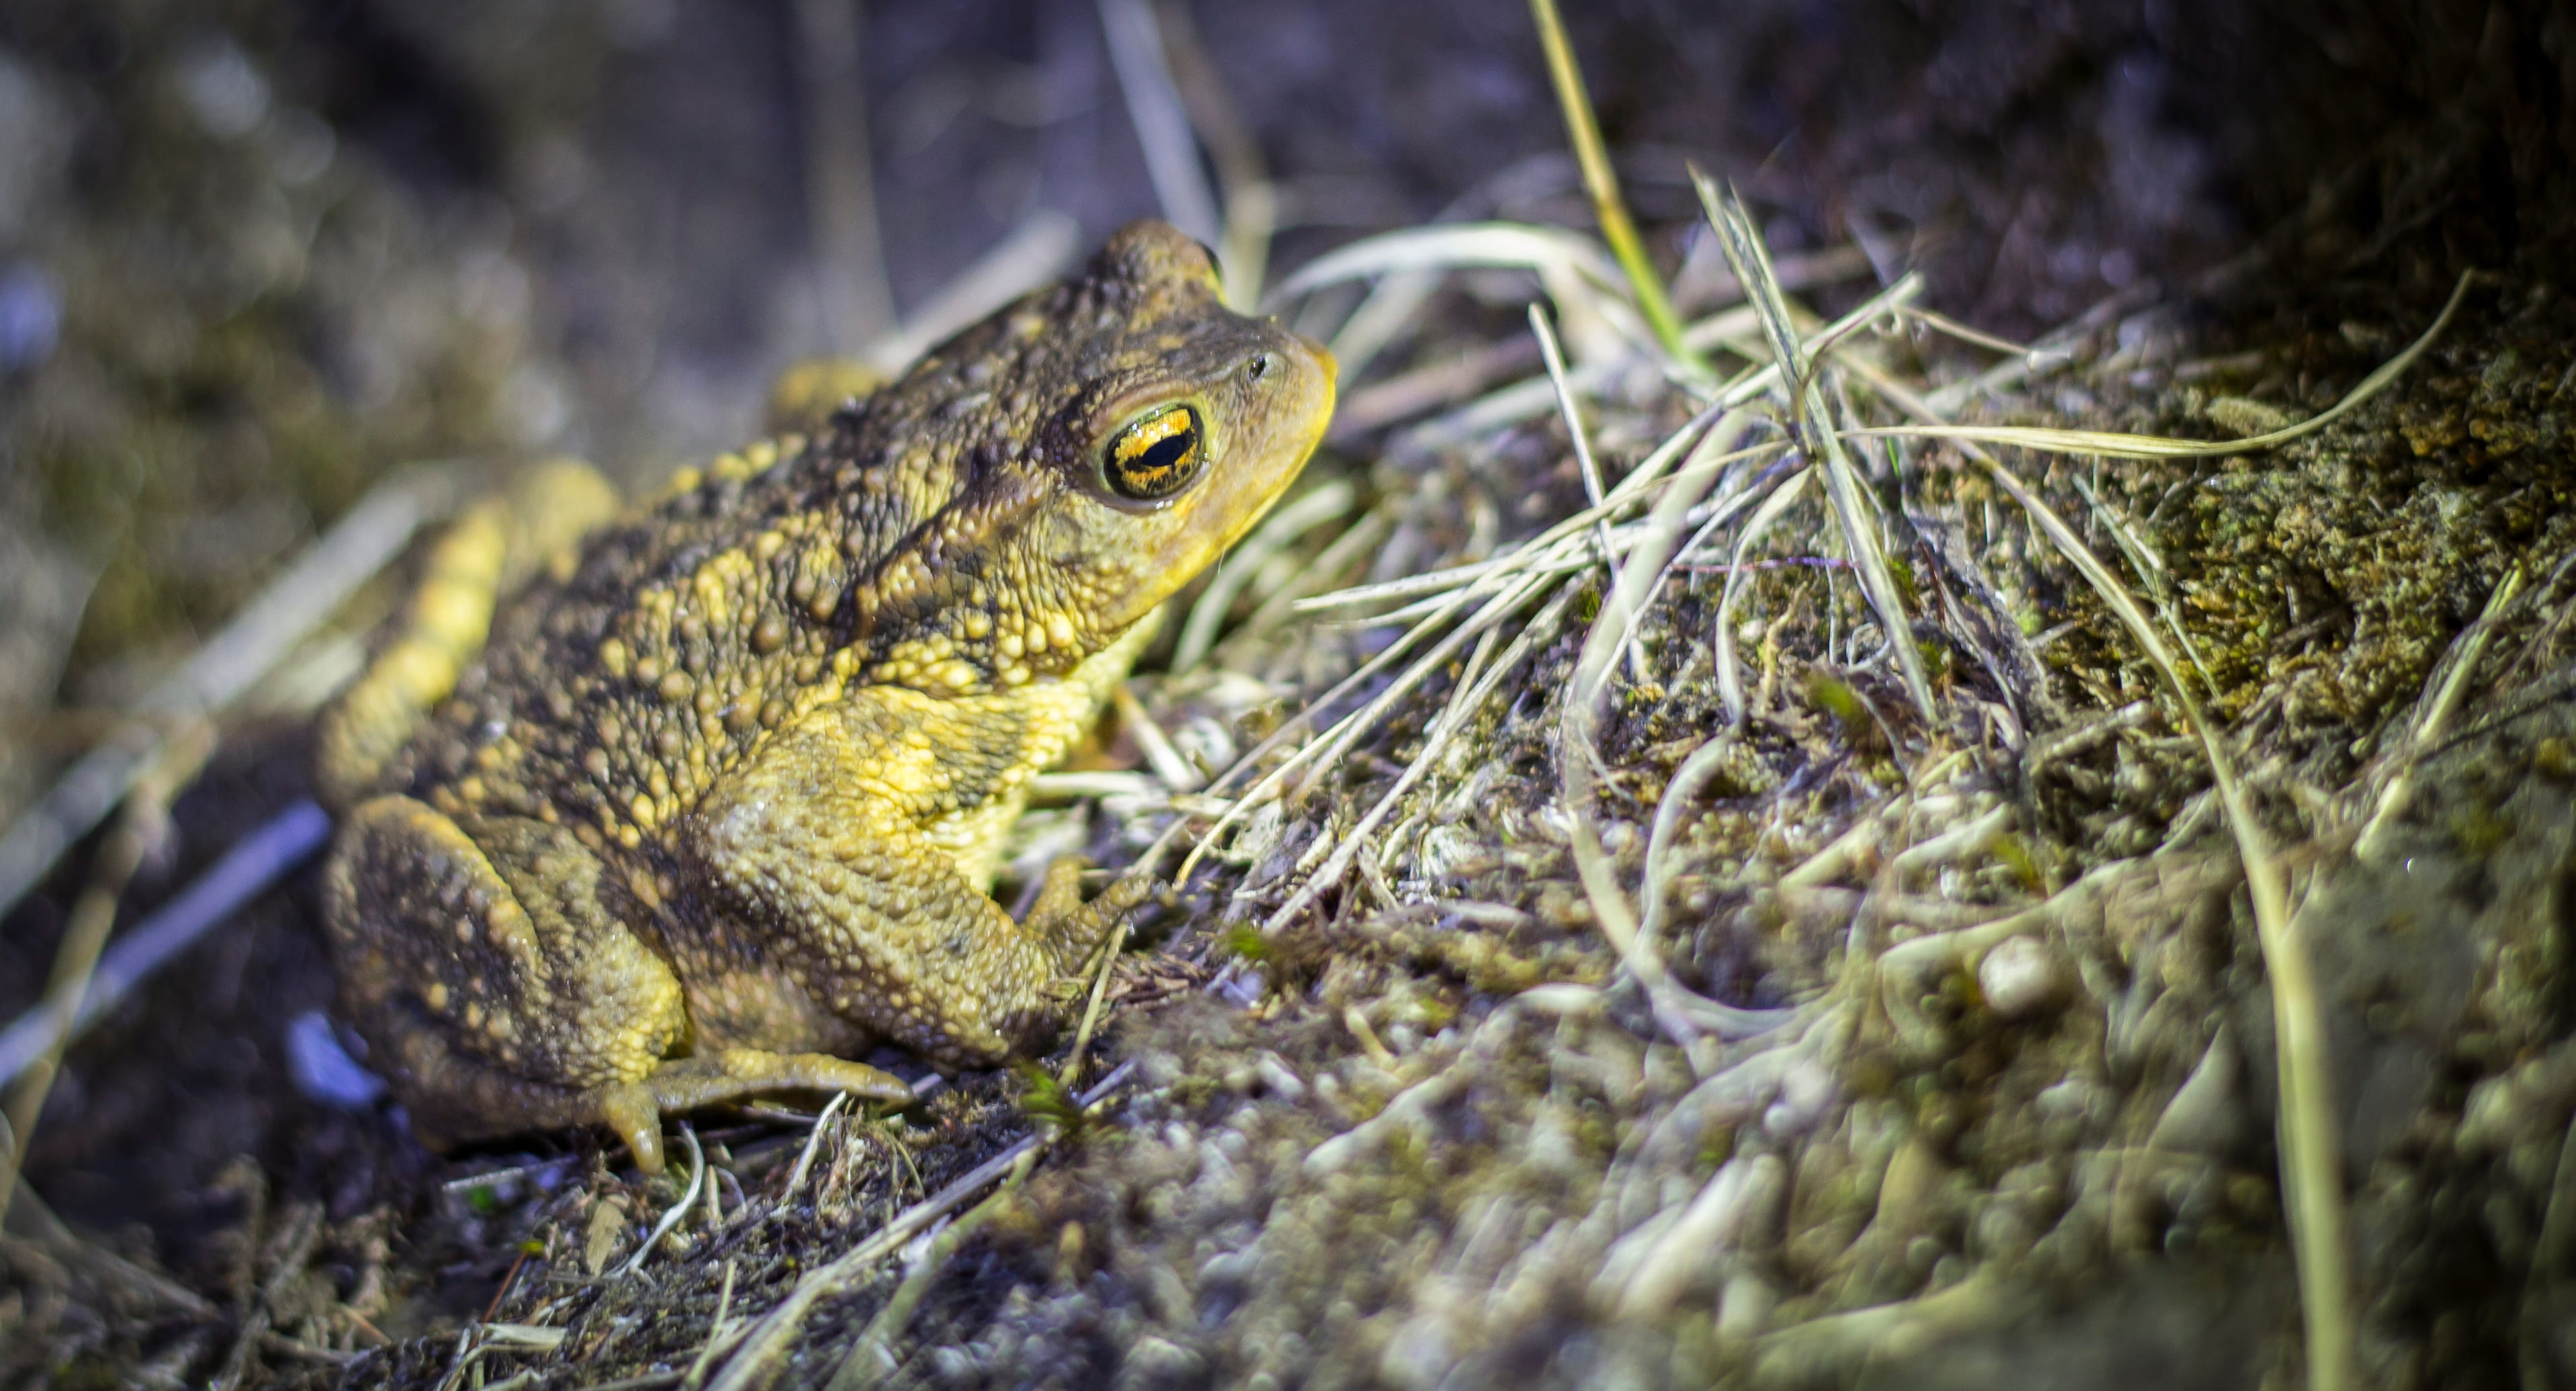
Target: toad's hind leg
(501, 993)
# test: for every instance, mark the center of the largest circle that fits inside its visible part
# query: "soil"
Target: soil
(1428, 1130)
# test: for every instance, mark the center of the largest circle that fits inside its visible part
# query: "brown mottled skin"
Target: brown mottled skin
(717, 803)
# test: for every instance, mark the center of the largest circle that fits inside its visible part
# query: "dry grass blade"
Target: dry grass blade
(1336, 560)
(1730, 684)
(1161, 122)
(714, 1344)
(871, 1357)
(1493, 594)
(757, 1360)
(1549, 251)
(1393, 307)
(1465, 696)
(2449, 686)
(840, 179)
(2312, 1181)
(1944, 324)
(1503, 585)
(1071, 1074)
(2119, 446)
(1583, 461)
(1852, 505)
(1683, 1015)
(1583, 131)
(1035, 252)
(1243, 176)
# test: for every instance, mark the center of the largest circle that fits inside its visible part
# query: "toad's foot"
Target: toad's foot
(1072, 929)
(635, 1109)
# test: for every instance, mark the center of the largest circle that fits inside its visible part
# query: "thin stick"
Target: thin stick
(872, 1356)
(813, 1139)
(1072, 1072)
(706, 1357)
(756, 1361)
(356, 547)
(679, 1210)
(1161, 122)
(245, 871)
(142, 826)
(1602, 182)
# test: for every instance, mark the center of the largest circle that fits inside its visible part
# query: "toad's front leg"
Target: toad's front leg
(822, 842)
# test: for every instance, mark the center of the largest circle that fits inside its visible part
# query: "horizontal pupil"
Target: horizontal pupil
(1166, 453)
(1156, 457)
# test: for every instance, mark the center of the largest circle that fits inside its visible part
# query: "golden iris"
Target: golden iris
(1157, 455)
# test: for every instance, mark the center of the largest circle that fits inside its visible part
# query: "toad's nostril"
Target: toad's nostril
(1260, 367)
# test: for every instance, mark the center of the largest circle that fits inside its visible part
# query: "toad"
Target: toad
(651, 811)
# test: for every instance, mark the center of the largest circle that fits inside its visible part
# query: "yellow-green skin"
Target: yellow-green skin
(717, 803)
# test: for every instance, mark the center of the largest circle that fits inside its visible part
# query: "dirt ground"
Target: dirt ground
(1427, 1129)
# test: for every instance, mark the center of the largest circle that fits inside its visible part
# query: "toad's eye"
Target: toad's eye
(1157, 456)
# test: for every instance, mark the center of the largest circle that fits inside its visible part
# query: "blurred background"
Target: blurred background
(254, 253)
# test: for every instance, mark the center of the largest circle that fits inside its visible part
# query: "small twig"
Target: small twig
(678, 1211)
(355, 548)
(706, 1357)
(872, 1356)
(758, 1358)
(1161, 121)
(76, 957)
(1072, 1072)
(813, 1139)
(512, 1278)
(303, 1233)
(245, 871)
